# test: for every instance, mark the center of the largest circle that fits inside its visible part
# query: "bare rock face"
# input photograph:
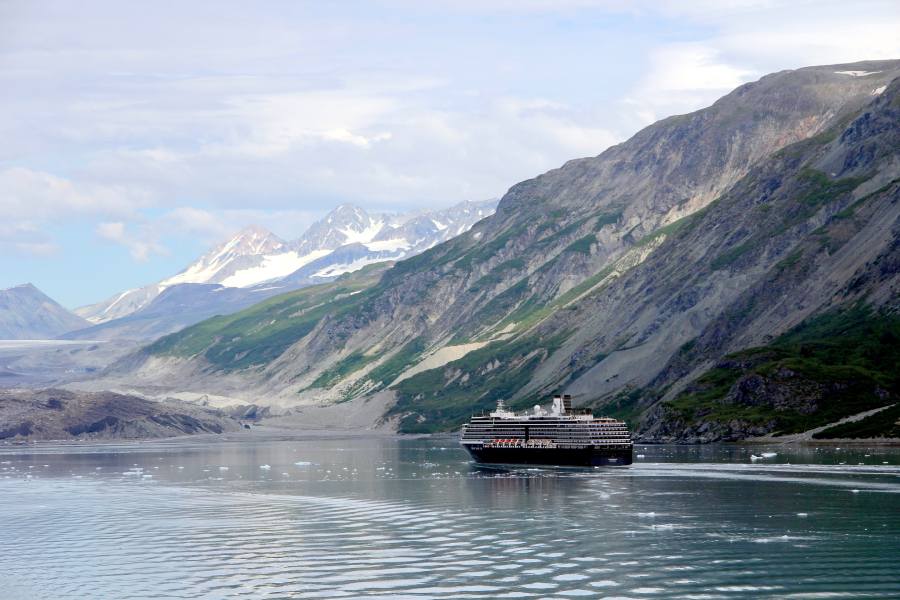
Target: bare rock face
(31, 415)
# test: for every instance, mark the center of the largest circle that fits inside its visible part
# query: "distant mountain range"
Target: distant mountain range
(253, 265)
(730, 272)
(26, 313)
(256, 264)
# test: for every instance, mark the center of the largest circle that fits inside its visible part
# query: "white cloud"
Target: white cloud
(138, 244)
(24, 238)
(681, 78)
(33, 194)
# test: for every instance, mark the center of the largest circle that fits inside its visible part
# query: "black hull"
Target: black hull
(566, 457)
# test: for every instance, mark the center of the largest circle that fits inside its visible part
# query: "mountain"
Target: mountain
(622, 279)
(258, 261)
(256, 264)
(26, 313)
(246, 250)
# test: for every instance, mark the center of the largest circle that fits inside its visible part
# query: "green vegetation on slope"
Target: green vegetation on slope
(671, 229)
(444, 398)
(261, 333)
(827, 368)
(385, 373)
(341, 369)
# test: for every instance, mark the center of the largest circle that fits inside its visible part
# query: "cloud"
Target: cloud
(138, 244)
(25, 239)
(33, 194)
(681, 78)
(31, 200)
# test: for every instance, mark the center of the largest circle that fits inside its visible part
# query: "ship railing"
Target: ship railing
(519, 443)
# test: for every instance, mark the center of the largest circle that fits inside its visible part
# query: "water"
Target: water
(410, 518)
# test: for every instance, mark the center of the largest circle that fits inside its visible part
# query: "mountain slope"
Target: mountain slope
(27, 313)
(594, 276)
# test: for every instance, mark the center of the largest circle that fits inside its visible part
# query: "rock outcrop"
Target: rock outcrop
(54, 414)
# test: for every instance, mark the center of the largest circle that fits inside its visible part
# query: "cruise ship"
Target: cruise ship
(558, 436)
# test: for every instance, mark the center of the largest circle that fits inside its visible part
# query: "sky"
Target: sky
(138, 134)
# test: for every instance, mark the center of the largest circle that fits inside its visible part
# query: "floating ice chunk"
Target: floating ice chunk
(223, 468)
(802, 514)
(854, 491)
(302, 463)
(265, 467)
(180, 467)
(769, 454)
(640, 456)
(754, 457)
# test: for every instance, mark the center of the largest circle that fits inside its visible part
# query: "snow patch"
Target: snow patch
(340, 269)
(389, 245)
(857, 73)
(352, 236)
(273, 266)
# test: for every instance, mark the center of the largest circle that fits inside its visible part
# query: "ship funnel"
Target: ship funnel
(558, 408)
(567, 403)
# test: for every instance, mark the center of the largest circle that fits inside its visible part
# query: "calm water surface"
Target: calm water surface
(411, 518)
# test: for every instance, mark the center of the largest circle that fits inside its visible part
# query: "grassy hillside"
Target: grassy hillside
(259, 334)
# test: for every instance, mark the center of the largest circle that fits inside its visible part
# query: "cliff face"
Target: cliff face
(618, 278)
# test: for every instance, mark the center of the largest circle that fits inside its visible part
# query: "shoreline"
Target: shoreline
(274, 433)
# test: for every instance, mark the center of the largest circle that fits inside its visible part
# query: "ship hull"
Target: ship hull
(568, 457)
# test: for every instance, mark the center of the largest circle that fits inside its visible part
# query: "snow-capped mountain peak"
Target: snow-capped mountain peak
(346, 239)
(238, 253)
